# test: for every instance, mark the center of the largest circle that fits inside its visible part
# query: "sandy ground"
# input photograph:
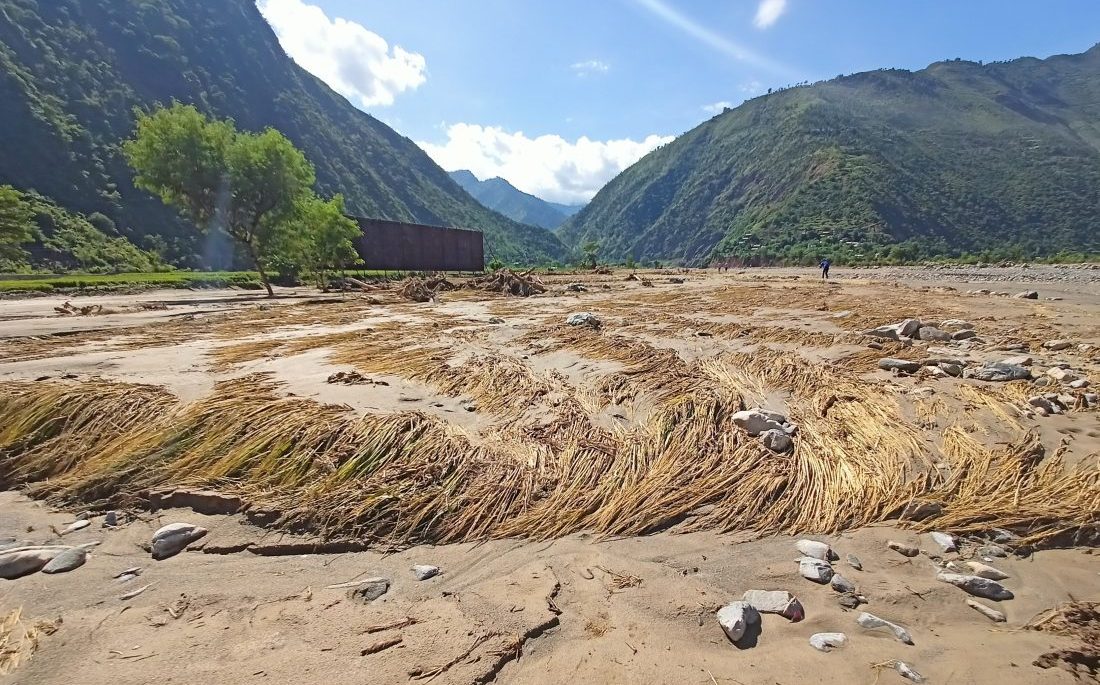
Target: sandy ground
(529, 611)
(243, 606)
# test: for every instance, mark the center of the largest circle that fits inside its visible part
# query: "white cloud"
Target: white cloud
(358, 63)
(547, 166)
(768, 12)
(717, 107)
(592, 66)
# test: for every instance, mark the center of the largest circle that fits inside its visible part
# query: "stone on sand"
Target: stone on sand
(977, 586)
(966, 334)
(815, 549)
(999, 373)
(1057, 345)
(842, 584)
(908, 672)
(992, 551)
(70, 559)
(933, 334)
(946, 541)
(854, 562)
(20, 561)
(584, 319)
(827, 641)
(870, 621)
(1027, 295)
(815, 569)
(370, 590)
(903, 549)
(989, 612)
(174, 538)
(735, 618)
(899, 365)
(424, 571)
(776, 602)
(956, 325)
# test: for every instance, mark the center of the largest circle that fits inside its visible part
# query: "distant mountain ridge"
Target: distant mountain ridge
(501, 196)
(999, 159)
(72, 72)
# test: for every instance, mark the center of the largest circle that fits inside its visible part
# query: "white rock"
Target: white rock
(946, 541)
(903, 549)
(908, 672)
(757, 421)
(815, 569)
(20, 561)
(1062, 375)
(70, 559)
(854, 562)
(827, 641)
(989, 612)
(870, 621)
(424, 571)
(814, 549)
(1057, 345)
(1079, 384)
(981, 570)
(777, 441)
(933, 334)
(776, 602)
(735, 618)
(584, 319)
(976, 585)
(173, 538)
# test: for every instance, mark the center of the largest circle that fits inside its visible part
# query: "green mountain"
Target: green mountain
(73, 71)
(999, 159)
(567, 210)
(501, 196)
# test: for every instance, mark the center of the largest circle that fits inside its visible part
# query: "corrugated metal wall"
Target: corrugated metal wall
(396, 246)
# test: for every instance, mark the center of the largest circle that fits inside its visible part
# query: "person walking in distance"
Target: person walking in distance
(824, 268)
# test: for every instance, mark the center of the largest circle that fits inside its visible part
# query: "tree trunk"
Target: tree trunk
(260, 268)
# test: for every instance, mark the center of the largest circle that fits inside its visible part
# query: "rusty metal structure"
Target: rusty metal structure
(397, 246)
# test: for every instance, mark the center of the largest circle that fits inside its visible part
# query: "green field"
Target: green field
(169, 279)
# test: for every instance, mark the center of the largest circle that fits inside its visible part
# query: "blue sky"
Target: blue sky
(558, 96)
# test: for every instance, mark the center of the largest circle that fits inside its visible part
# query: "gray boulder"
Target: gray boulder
(424, 571)
(842, 584)
(172, 539)
(370, 590)
(935, 334)
(21, 561)
(999, 373)
(815, 569)
(977, 586)
(584, 319)
(900, 365)
(1027, 295)
(965, 334)
(955, 325)
(70, 559)
(777, 441)
(1058, 345)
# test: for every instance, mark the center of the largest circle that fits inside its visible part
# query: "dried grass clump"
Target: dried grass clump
(510, 283)
(415, 289)
(19, 640)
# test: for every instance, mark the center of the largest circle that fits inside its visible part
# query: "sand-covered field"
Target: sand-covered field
(592, 494)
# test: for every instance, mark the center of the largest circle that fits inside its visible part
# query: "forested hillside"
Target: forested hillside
(72, 73)
(501, 196)
(960, 158)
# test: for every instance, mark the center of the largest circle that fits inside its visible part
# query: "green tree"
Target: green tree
(319, 238)
(16, 224)
(245, 184)
(591, 251)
